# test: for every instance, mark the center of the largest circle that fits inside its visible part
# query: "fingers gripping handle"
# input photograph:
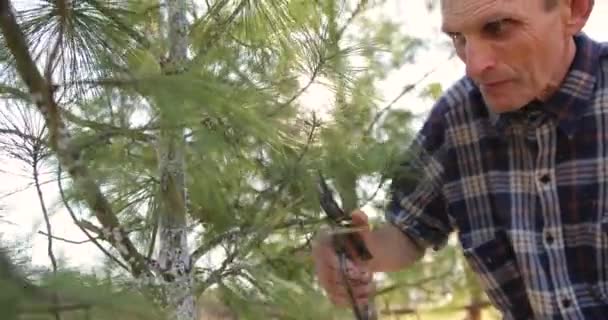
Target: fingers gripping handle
(361, 312)
(338, 217)
(360, 248)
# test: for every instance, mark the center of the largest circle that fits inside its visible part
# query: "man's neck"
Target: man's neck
(561, 73)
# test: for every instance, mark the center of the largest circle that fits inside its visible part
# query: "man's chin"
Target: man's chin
(501, 105)
(504, 109)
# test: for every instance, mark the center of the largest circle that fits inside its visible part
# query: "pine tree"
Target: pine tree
(183, 150)
(216, 91)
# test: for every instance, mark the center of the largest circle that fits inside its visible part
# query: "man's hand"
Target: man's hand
(358, 272)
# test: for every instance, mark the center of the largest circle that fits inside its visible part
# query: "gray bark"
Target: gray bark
(173, 254)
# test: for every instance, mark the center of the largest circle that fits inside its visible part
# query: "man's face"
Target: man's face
(514, 50)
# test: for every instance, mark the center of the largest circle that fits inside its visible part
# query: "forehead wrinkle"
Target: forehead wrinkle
(471, 14)
(460, 7)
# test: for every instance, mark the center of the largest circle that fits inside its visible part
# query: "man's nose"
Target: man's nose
(479, 58)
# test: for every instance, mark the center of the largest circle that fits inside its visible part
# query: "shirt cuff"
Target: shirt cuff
(422, 234)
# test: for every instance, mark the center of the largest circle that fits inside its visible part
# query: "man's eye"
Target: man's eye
(457, 38)
(496, 28)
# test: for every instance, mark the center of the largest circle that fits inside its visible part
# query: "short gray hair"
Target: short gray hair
(551, 4)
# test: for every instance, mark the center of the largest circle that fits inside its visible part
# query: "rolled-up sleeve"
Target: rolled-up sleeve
(417, 205)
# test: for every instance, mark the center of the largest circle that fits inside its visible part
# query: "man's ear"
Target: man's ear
(576, 14)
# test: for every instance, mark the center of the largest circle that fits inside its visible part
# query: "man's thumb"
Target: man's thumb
(360, 220)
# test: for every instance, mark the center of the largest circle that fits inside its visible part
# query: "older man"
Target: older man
(514, 157)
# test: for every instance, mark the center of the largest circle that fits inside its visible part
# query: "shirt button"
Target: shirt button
(549, 238)
(545, 178)
(566, 303)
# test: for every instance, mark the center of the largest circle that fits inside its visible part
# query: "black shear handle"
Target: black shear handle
(357, 242)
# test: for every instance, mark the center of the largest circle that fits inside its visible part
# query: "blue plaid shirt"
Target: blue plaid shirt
(526, 191)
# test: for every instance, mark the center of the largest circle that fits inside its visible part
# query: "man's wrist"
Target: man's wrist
(392, 249)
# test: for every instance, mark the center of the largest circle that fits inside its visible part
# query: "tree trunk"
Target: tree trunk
(174, 254)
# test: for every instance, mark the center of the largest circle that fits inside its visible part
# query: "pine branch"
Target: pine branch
(217, 274)
(82, 228)
(152, 218)
(140, 39)
(31, 149)
(317, 69)
(16, 281)
(52, 60)
(14, 92)
(108, 130)
(219, 28)
(27, 297)
(21, 135)
(222, 25)
(243, 230)
(102, 82)
(212, 243)
(315, 123)
(303, 89)
(61, 143)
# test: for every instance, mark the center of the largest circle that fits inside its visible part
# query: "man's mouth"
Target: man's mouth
(493, 84)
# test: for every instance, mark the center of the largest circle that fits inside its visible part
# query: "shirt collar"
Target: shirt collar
(571, 100)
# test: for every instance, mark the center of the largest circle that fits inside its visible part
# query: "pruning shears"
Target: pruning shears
(338, 218)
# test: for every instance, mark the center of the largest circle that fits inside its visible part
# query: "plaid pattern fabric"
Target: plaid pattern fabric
(527, 192)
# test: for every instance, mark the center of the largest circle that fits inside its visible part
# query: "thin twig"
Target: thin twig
(406, 89)
(154, 211)
(46, 217)
(52, 59)
(380, 185)
(219, 273)
(35, 163)
(64, 239)
(358, 10)
(24, 188)
(313, 77)
(315, 124)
